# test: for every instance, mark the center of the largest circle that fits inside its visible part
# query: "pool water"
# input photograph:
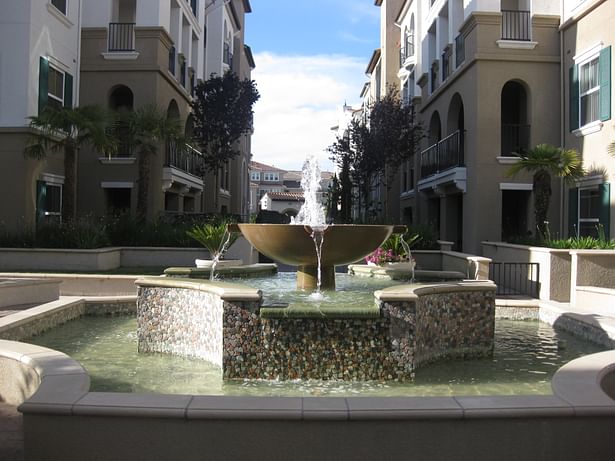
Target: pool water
(526, 355)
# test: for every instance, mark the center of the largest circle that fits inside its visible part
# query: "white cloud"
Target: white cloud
(301, 99)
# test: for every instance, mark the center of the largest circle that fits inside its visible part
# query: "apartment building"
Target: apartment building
(487, 80)
(39, 51)
(137, 53)
(587, 103)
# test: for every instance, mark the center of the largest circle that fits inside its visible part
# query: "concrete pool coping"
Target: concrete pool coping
(60, 389)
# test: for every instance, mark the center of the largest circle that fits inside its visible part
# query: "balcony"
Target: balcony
(433, 76)
(184, 157)
(447, 56)
(406, 52)
(460, 50)
(516, 25)
(515, 139)
(121, 37)
(442, 166)
(443, 155)
(172, 60)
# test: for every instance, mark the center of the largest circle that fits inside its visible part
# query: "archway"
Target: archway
(515, 128)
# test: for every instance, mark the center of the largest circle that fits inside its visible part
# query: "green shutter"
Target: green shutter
(43, 84)
(605, 208)
(573, 211)
(605, 83)
(41, 193)
(573, 83)
(68, 90)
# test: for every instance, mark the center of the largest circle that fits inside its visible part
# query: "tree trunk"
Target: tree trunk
(69, 190)
(542, 196)
(143, 189)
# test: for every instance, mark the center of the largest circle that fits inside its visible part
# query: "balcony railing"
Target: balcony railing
(516, 25)
(121, 36)
(172, 60)
(433, 76)
(443, 155)
(460, 50)
(184, 157)
(406, 51)
(182, 73)
(446, 62)
(516, 278)
(227, 56)
(515, 138)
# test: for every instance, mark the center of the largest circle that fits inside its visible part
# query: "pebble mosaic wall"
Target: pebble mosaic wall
(246, 346)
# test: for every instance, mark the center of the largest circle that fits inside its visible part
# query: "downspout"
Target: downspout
(562, 118)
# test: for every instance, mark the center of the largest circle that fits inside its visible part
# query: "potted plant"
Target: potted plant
(217, 239)
(396, 249)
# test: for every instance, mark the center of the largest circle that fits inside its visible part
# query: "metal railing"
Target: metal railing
(184, 157)
(406, 51)
(433, 76)
(182, 74)
(445, 154)
(121, 36)
(516, 25)
(460, 50)
(446, 62)
(172, 60)
(517, 279)
(515, 138)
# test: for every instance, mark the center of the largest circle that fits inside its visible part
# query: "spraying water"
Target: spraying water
(312, 213)
(216, 256)
(406, 247)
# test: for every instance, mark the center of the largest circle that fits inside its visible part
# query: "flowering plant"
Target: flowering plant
(381, 256)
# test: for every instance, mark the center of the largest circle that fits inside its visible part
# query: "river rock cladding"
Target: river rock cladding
(234, 336)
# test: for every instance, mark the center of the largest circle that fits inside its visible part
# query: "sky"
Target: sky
(310, 57)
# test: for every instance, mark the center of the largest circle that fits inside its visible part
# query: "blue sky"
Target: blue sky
(310, 58)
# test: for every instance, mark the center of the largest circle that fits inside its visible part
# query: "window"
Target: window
(589, 210)
(55, 92)
(55, 87)
(590, 89)
(255, 176)
(60, 5)
(271, 176)
(48, 202)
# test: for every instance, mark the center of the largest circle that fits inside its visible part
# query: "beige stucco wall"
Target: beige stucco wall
(579, 35)
(18, 189)
(479, 83)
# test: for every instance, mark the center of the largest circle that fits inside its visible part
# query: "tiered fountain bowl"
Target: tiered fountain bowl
(293, 244)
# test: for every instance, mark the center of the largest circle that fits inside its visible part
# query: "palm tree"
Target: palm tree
(148, 128)
(67, 130)
(544, 161)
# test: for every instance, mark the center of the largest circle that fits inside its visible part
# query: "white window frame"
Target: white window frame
(65, 13)
(590, 219)
(595, 90)
(271, 176)
(51, 95)
(255, 176)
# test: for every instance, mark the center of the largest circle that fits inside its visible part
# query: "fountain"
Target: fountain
(294, 243)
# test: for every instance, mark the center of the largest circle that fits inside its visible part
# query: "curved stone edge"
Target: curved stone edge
(249, 270)
(226, 291)
(411, 292)
(61, 381)
(64, 385)
(580, 383)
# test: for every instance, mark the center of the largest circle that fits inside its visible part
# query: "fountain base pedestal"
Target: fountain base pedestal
(307, 277)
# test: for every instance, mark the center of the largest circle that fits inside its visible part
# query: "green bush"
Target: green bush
(82, 233)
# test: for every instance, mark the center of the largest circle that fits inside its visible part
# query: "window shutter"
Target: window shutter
(41, 193)
(605, 83)
(605, 208)
(43, 84)
(68, 90)
(573, 211)
(573, 81)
